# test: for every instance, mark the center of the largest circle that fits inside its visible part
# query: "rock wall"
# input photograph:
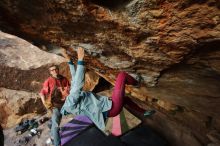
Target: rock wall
(173, 44)
(16, 105)
(23, 69)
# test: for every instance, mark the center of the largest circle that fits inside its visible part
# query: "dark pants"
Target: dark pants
(1, 137)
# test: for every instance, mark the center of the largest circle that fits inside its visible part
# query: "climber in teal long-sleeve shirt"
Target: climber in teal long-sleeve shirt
(79, 102)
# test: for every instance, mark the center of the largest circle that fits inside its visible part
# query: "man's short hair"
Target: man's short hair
(57, 67)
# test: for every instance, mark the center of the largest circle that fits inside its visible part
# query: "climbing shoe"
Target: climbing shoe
(22, 127)
(34, 132)
(149, 113)
(139, 79)
(50, 141)
(32, 124)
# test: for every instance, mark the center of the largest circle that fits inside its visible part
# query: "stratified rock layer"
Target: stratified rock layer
(174, 45)
(15, 105)
(23, 68)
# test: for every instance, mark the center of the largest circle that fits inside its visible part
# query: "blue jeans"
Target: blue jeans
(56, 118)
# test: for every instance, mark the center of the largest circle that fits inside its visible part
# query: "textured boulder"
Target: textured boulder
(174, 45)
(153, 34)
(23, 68)
(22, 65)
(16, 105)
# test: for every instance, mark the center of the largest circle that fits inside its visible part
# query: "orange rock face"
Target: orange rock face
(174, 45)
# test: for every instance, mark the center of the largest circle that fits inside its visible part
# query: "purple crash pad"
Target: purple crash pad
(74, 128)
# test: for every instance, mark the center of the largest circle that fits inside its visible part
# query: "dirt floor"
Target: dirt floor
(128, 121)
(12, 139)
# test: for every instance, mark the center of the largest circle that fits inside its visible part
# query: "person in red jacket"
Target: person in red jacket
(53, 85)
(53, 95)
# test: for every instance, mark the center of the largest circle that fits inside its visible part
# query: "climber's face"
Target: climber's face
(54, 71)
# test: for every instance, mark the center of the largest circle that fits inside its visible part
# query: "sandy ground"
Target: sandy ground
(12, 139)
